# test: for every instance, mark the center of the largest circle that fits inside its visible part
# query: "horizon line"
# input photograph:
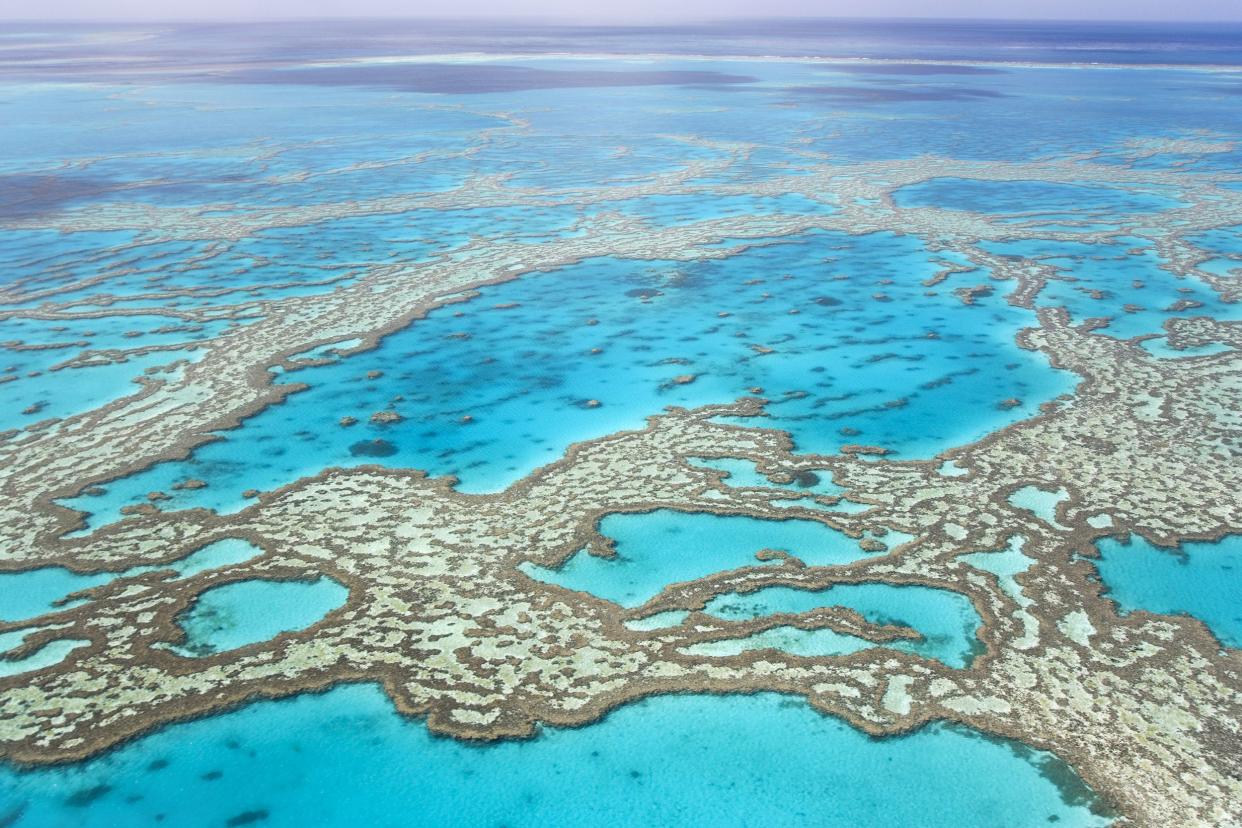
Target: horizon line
(607, 22)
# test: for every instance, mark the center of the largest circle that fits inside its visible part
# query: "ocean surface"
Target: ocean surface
(346, 758)
(244, 142)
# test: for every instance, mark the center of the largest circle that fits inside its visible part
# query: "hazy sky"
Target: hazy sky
(623, 11)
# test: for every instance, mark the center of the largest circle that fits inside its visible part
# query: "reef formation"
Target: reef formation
(1145, 707)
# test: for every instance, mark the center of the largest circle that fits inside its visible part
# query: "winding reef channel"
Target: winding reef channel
(1038, 281)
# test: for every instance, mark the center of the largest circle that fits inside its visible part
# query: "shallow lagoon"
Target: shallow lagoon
(50, 653)
(946, 620)
(1199, 579)
(32, 592)
(660, 548)
(345, 758)
(663, 547)
(246, 612)
(1035, 200)
(1122, 280)
(858, 353)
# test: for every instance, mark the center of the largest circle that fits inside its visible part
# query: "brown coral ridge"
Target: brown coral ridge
(440, 614)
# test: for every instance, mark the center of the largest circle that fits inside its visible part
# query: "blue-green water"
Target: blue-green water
(660, 548)
(33, 592)
(946, 620)
(601, 347)
(50, 653)
(745, 474)
(1199, 579)
(1043, 503)
(1035, 201)
(344, 758)
(36, 591)
(1005, 564)
(1122, 280)
(246, 612)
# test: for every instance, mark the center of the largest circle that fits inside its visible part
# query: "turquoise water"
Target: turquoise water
(805, 489)
(214, 555)
(1200, 579)
(247, 612)
(36, 591)
(745, 474)
(344, 758)
(37, 392)
(1035, 200)
(1005, 564)
(620, 334)
(1122, 280)
(1043, 503)
(33, 592)
(946, 620)
(659, 548)
(1159, 347)
(34, 399)
(50, 653)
